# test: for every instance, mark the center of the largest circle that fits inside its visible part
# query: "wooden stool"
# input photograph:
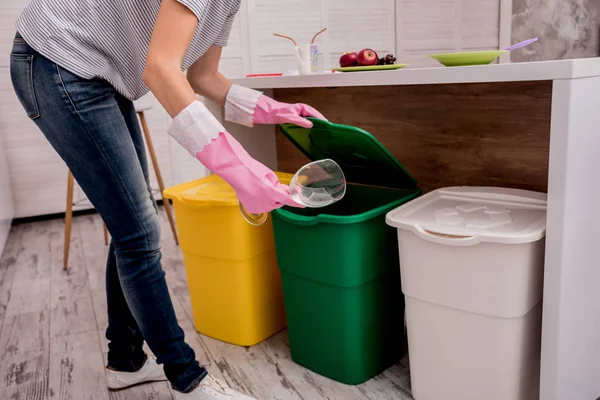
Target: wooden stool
(140, 109)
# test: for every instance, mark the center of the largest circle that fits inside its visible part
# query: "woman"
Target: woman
(76, 66)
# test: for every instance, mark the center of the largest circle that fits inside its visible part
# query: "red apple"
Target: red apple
(348, 59)
(367, 57)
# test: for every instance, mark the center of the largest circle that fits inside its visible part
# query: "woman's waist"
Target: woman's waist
(20, 46)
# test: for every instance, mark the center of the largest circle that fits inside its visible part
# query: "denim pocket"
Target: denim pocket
(21, 74)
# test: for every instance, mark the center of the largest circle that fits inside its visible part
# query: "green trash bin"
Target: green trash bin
(339, 264)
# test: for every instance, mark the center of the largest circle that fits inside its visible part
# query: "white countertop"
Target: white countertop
(534, 71)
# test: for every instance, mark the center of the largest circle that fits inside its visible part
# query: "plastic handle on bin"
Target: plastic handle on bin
(297, 219)
(446, 239)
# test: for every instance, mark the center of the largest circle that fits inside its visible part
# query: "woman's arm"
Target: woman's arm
(173, 32)
(205, 78)
(243, 105)
(193, 126)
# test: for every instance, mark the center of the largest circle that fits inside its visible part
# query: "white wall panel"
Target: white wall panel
(7, 211)
(411, 29)
(425, 27)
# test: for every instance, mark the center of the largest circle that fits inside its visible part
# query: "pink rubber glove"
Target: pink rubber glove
(256, 186)
(248, 107)
(269, 111)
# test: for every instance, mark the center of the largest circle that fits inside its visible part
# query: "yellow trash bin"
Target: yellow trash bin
(231, 267)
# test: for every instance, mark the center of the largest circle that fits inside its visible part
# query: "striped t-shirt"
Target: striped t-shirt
(109, 39)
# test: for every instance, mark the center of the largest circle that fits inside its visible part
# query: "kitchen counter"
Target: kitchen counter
(531, 126)
(519, 72)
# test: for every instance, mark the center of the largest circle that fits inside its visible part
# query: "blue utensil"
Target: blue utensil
(521, 44)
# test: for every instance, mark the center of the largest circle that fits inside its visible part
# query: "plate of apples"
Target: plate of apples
(367, 60)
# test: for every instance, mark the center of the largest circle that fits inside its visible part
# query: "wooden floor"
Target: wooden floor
(52, 324)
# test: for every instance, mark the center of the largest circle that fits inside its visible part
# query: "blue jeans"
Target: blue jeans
(96, 132)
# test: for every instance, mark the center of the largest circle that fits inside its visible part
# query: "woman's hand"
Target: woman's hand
(249, 107)
(246, 106)
(269, 111)
(256, 186)
(193, 126)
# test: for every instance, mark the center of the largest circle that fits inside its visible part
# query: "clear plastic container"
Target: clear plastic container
(318, 184)
(315, 185)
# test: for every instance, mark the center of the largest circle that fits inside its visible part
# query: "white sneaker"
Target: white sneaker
(211, 389)
(150, 372)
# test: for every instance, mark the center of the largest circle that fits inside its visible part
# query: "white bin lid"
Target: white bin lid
(471, 215)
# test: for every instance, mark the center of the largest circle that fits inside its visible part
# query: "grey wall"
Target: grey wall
(566, 28)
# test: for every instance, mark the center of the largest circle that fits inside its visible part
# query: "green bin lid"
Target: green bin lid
(361, 156)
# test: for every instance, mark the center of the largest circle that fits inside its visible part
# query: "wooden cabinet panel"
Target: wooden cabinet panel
(445, 134)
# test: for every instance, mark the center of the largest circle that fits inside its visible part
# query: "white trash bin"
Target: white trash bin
(471, 261)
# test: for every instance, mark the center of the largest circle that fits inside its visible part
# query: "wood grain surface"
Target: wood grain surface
(492, 134)
(52, 334)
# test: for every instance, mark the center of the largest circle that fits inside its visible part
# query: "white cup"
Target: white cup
(307, 56)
